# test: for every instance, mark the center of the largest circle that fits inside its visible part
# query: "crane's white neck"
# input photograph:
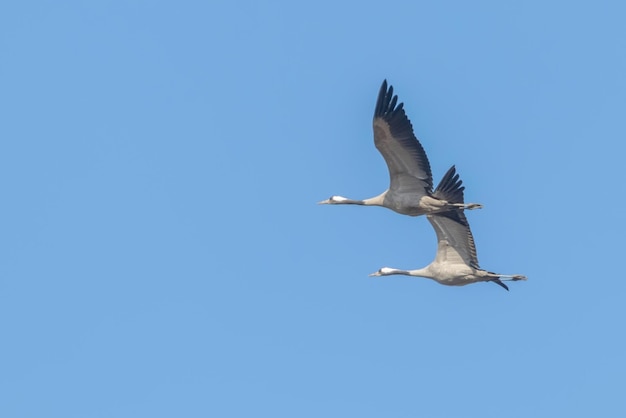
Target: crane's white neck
(388, 271)
(372, 201)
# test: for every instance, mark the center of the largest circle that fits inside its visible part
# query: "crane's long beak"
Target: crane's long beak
(375, 274)
(324, 202)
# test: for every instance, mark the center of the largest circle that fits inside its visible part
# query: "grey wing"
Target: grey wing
(456, 243)
(409, 169)
(452, 226)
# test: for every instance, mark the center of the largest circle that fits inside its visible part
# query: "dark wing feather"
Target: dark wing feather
(450, 188)
(409, 169)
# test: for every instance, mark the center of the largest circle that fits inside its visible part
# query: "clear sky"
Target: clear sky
(162, 253)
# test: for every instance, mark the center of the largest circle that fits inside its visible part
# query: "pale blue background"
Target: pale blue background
(162, 254)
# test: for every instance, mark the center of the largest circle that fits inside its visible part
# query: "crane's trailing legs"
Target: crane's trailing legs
(513, 278)
(468, 206)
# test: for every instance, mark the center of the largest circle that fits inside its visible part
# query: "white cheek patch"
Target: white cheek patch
(338, 199)
(386, 270)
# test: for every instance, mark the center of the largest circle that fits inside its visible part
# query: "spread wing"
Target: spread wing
(456, 242)
(409, 169)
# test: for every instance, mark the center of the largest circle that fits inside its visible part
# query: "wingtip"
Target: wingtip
(386, 103)
(383, 88)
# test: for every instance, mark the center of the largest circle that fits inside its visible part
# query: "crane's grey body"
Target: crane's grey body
(456, 262)
(411, 180)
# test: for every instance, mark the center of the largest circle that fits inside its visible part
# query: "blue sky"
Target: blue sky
(163, 255)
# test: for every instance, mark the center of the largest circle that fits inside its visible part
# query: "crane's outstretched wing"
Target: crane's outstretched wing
(456, 243)
(409, 169)
(453, 231)
(454, 236)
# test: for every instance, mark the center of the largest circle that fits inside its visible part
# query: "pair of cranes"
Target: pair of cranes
(411, 193)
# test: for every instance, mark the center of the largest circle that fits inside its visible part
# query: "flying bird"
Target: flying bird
(411, 180)
(456, 262)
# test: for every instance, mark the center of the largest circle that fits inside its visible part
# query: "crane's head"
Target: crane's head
(333, 200)
(385, 271)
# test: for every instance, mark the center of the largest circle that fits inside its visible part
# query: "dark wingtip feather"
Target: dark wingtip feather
(386, 103)
(393, 103)
(380, 102)
(450, 188)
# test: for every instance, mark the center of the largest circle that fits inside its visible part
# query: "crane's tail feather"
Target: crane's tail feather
(499, 283)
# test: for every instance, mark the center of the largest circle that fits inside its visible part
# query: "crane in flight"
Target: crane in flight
(456, 262)
(411, 180)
